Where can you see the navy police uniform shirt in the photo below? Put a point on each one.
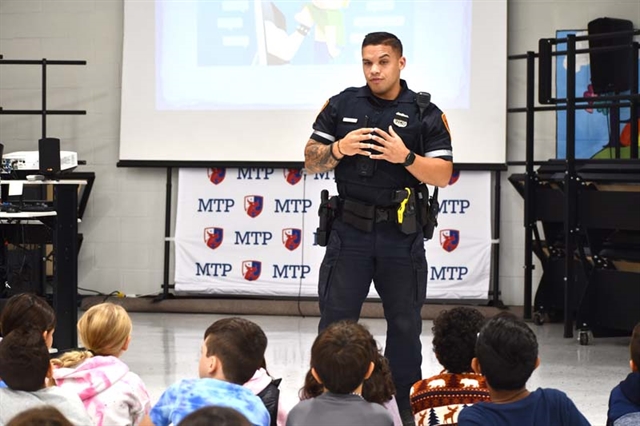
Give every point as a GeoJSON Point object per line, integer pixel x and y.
{"type": "Point", "coordinates": [355, 108]}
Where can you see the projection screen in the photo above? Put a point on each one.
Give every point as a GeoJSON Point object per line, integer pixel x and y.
{"type": "Point", "coordinates": [239, 82]}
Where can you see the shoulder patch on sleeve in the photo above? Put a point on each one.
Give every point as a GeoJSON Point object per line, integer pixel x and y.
{"type": "Point", "coordinates": [323, 107]}
{"type": "Point", "coordinates": [446, 123]}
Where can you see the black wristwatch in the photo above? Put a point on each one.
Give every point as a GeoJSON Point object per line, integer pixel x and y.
{"type": "Point", "coordinates": [411, 157]}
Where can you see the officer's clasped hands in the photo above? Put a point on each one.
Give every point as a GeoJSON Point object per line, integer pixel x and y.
{"type": "Point", "coordinates": [374, 143]}
{"type": "Point", "coordinates": [389, 145]}
{"type": "Point", "coordinates": [356, 142]}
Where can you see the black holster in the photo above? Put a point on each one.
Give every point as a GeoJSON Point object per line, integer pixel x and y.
{"type": "Point", "coordinates": [429, 208]}
{"type": "Point", "coordinates": [327, 213]}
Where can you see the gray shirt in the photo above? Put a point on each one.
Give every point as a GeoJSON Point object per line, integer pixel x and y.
{"type": "Point", "coordinates": [330, 409]}
{"type": "Point", "coordinates": [14, 402]}
{"type": "Point", "coordinates": [631, 419]}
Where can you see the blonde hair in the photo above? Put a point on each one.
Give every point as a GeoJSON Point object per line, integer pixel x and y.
{"type": "Point", "coordinates": [104, 330]}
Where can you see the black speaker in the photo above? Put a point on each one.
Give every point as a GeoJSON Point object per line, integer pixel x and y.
{"type": "Point", "coordinates": [610, 71]}
{"type": "Point", "coordinates": [49, 156]}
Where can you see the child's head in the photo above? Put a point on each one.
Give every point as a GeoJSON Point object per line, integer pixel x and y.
{"type": "Point", "coordinates": [212, 415]}
{"type": "Point", "coordinates": [378, 388]}
{"type": "Point", "coordinates": [454, 338]}
{"type": "Point", "coordinates": [104, 330]}
{"type": "Point", "coordinates": [342, 357]}
{"type": "Point", "coordinates": [233, 349]}
{"type": "Point", "coordinates": [24, 359]}
{"type": "Point", "coordinates": [40, 416]}
{"type": "Point", "coordinates": [634, 348]}
{"type": "Point", "coordinates": [30, 310]}
{"type": "Point", "coordinates": [507, 352]}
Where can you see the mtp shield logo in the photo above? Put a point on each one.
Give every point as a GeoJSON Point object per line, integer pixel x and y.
{"type": "Point", "coordinates": [449, 239]}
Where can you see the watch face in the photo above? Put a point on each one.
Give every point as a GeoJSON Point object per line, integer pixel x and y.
{"type": "Point", "coordinates": [411, 157]}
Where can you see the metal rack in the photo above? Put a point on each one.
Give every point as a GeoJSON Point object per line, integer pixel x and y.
{"type": "Point", "coordinates": [572, 170]}
{"type": "Point", "coordinates": [66, 240]}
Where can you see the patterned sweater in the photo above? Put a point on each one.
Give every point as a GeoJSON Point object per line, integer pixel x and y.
{"type": "Point", "coordinates": [438, 400]}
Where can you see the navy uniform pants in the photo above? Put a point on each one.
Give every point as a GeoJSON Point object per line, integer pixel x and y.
{"type": "Point", "coordinates": [398, 267]}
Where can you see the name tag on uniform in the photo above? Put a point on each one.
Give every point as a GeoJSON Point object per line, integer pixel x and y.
{"type": "Point", "coordinates": [349, 120]}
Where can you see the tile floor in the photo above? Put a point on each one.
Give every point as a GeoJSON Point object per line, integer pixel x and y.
{"type": "Point", "coordinates": [165, 348]}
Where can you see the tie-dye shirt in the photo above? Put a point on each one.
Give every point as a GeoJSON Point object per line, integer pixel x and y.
{"type": "Point", "coordinates": [111, 394]}
{"type": "Point", "coordinates": [186, 396]}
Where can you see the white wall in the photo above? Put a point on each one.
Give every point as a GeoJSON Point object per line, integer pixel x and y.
{"type": "Point", "coordinates": [124, 223]}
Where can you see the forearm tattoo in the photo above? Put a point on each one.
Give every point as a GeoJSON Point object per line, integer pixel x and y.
{"type": "Point", "coordinates": [318, 158]}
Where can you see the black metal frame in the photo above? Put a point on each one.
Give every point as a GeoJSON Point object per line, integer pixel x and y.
{"type": "Point", "coordinates": [65, 237]}
{"type": "Point", "coordinates": [44, 63]}
{"type": "Point", "coordinates": [571, 178]}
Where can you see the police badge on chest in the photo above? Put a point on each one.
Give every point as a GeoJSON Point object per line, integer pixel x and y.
{"type": "Point", "coordinates": [400, 119]}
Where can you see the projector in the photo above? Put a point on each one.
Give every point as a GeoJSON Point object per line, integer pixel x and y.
{"type": "Point", "coordinates": [29, 161]}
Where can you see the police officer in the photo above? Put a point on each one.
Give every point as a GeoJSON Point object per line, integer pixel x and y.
{"type": "Point", "coordinates": [380, 144]}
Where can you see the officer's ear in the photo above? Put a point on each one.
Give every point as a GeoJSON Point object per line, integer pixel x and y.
{"type": "Point", "coordinates": [402, 62]}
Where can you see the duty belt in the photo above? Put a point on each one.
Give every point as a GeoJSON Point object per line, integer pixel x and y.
{"type": "Point", "coordinates": [363, 216]}
{"type": "Point", "coordinates": [403, 212]}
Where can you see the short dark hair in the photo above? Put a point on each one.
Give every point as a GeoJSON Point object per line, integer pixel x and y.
{"type": "Point", "coordinates": [378, 388]}
{"type": "Point", "coordinates": [454, 338]}
{"type": "Point", "coordinates": [381, 37]}
{"type": "Point", "coordinates": [239, 344]}
{"type": "Point", "coordinates": [212, 415]}
{"type": "Point", "coordinates": [27, 309]}
{"type": "Point", "coordinates": [341, 356]}
{"type": "Point", "coordinates": [507, 351]}
{"type": "Point", "coordinates": [24, 359]}
{"type": "Point", "coordinates": [40, 416]}
{"type": "Point", "coordinates": [634, 347]}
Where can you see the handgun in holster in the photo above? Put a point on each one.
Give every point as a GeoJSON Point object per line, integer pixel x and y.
{"type": "Point", "coordinates": [407, 210]}
{"type": "Point", "coordinates": [429, 208]}
{"type": "Point", "coordinates": [327, 213]}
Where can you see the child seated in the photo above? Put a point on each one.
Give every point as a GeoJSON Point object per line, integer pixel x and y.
{"type": "Point", "coordinates": [440, 398]}
{"type": "Point", "coordinates": [111, 394]}
{"type": "Point", "coordinates": [507, 354]}
{"type": "Point", "coordinates": [378, 388]}
{"type": "Point", "coordinates": [24, 366]}
{"type": "Point", "coordinates": [341, 360]}
{"type": "Point", "coordinates": [624, 402]}
{"type": "Point", "coordinates": [27, 309]}
{"type": "Point", "coordinates": [232, 351]}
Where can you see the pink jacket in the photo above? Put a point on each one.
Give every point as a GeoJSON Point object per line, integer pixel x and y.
{"type": "Point", "coordinates": [257, 383]}
{"type": "Point", "coordinates": [112, 395]}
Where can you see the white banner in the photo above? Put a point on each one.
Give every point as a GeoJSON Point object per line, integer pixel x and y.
{"type": "Point", "coordinates": [250, 231]}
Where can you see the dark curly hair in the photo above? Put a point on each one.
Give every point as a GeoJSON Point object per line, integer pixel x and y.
{"type": "Point", "coordinates": [378, 388]}
{"type": "Point", "coordinates": [454, 338]}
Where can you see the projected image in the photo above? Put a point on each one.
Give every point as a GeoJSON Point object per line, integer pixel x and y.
{"type": "Point", "coordinates": [284, 54]}
{"type": "Point", "coordinates": [593, 132]}
{"type": "Point", "coordinates": [274, 33]}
